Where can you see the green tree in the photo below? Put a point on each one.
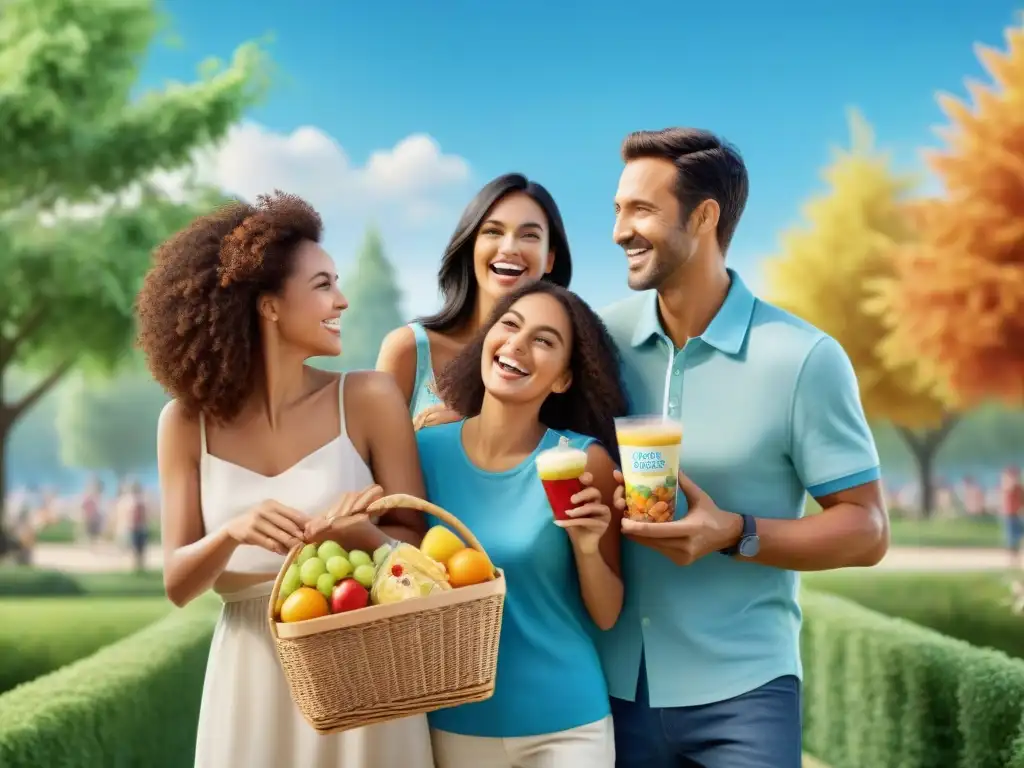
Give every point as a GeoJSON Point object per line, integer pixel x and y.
{"type": "Point", "coordinates": [375, 306]}
{"type": "Point", "coordinates": [109, 424]}
{"type": "Point", "coordinates": [825, 275]}
{"type": "Point", "coordinates": [72, 132]}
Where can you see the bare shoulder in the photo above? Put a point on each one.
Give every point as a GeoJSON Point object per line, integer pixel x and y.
{"type": "Point", "coordinates": [178, 430]}
{"type": "Point", "coordinates": [374, 389]}
{"type": "Point", "coordinates": [399, 343]}
{"type": "Point", "coordinates": [397, 357]}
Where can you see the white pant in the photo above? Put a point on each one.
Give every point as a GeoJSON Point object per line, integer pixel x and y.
{"type": "Point", "coordinates": [587, 746]}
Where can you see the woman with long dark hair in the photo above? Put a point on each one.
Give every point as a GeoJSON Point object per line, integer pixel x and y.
{"type": "Point", "coordinates": [541, 371]}
{"type": "Point", "coordinates": [511, 233]}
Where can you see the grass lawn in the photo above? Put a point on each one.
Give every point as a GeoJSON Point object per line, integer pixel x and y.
{"type": "Point", "coordinates": [972, 606]}
{"type": "Point", "coordinates": [41, 634]}
{"type": "Point", "coordinates": [956, 532]}
{"type": "Point", "coordinates": [66, 532]}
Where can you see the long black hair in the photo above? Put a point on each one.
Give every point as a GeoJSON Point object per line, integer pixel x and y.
{"type": "Point", "coordinates": [456, 278]}
{"type": "Point", "coordinates": [595, 396]}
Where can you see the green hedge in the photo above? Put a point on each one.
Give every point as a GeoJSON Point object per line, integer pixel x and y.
{"type": "Point", "coordinates": [884, 692]}
{"type": "Point", "coordinates": [36, 582]}
{"type": "Point", "coordinates": [38, 636]}
{"type": "Point", "coordinates": [970, 606]}
{"type": "Point", "coordinates": [132, 704]}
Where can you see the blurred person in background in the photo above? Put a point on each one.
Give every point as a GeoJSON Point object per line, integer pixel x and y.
{"type": "Point", "coordinates": [973, 497]}
{"type": "Point", "coordinates": [92, 512]}
{"type": "Point", "coordinates": [510, 234]}
{"type": "Point", "coordinates": [1012, 509]}
{"type": "Point", "coordinates": [132, 515]}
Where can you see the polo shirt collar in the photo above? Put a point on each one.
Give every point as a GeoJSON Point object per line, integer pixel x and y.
{"type": "Point", "coordinates": [725, 332]}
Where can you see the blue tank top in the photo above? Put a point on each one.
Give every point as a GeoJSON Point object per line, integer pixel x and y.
{"type": "Point", "coordinates": [549, 673]}
{"type": "Point", "coordinates": [423, 389]}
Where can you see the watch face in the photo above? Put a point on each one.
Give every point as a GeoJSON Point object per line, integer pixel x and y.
{"type": "Point", "coordinates": [750, 546]}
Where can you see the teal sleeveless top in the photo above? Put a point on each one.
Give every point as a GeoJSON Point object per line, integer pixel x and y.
{"type": "Point", "coordinates": [423, 393]}
{"type": "Point", "coordinates": [549, 672]}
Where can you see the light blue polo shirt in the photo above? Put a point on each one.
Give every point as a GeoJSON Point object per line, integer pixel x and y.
{"type": "Point", "coordinates": [770, 410]}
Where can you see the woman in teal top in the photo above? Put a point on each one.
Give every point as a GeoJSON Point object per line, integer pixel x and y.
{"type": "Point", "coordinates": [511, 233]}
{"type": "Point", "coordinates": [542, 369]}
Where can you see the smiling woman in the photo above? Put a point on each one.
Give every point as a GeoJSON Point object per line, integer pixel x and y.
{"type": "Point", "coordinates": [511, 233]}
{"type": "Point", "coordinates": [255, 449]}
{"type": "Point", "coordinates": [541, 373]}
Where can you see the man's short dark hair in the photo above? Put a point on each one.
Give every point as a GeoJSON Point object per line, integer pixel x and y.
{"type": "Point", "coordinates": [707, 168]}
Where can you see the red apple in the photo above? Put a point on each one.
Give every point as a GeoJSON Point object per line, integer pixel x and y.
{"type": "Point", "coordinates": [348, 595]}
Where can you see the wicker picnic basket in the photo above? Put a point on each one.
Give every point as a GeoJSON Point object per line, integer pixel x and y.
{"type": "Point", "coordinates": [385, 662]}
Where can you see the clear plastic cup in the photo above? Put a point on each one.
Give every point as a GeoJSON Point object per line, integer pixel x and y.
{"type": "Point", "coordinates": [559, 469]}
{"type": "Point", "coordinates": [649, 448]}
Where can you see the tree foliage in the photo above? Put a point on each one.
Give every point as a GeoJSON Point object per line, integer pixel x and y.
{"type": "Point", "coordinates": [109, 424]}
{"type": "Point", "coordinates": [374, 305]}
{"type": "Point", "coordinates": [72, 132]}
{"type": "Point", "coordinates": [827, 265]}
{"type": "Point", "coordinates": [957, 297]}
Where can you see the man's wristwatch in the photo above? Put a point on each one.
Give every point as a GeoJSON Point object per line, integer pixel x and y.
{"type": "Point", "coordinates": [749, 544]}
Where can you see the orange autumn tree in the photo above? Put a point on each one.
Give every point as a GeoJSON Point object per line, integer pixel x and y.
{"type": "Point", "coordinates": [957, 297]}
{"type": "Point", "coordinates": [824, 271]}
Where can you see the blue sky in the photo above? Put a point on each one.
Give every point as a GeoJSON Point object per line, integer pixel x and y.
{"type": "Point", "coordinates": [550, 90]}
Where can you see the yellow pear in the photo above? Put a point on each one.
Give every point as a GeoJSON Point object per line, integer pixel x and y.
{"type": "Point", "coordinates": [439, 544]}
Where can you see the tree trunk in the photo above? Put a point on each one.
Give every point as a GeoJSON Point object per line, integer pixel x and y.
{"type": "Point", "coordinates": [924, 447]}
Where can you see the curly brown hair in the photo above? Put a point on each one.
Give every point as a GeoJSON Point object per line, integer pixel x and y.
{"type": "Point", "coordinates": [197, 314]}
{"type": "Point", "coordinates": [595, 396]}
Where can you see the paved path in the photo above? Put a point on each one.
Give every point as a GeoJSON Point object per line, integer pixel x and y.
{"type": "Point", "coordinates": [107, 557]}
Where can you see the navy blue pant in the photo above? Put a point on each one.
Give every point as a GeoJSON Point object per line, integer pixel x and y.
{"type": "Point", "coordinates": [759, 729]}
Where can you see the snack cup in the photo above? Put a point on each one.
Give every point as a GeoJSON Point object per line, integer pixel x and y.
{"type": "Point", "coordinates": [649, 452]}
{"type": "Point", "coordinates": [559, 469]}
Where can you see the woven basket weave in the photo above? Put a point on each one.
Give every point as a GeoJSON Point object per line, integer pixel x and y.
{"type": "Point", "coordinates": [384, 662]}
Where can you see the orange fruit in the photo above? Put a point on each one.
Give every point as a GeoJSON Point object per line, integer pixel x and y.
{"type": "Point", "coordinates": [303, 604]}
{"type": "Point", "coordinates": [469, 566]}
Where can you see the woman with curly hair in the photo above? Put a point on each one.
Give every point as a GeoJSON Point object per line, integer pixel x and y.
{"type": "Point", "coordinates": [258, 452]}
{"type": "Point", "coordinates": [542, 370]}
{"type": "Point", "coordinates": [509, 234]}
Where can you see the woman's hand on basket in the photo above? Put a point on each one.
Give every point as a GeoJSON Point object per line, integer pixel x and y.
{"type": "Point", "coordinates": [589, 520]}
{"type": "Point", "coordinates": [349, 510]}
{"type": "Point", "coordinates": [270, 525]}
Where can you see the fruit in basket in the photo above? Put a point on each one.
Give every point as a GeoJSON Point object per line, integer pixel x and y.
{"type": "Point", "coordinates": [303, 604]}
{"type": "Point", "coordinates": [364, 574]}
{"type": "Point", "coordinates": [339, 567]}
{"type": "Point", "coordinates": [291, 580]}
{"type": "Point", "coordinates": [348, 595]}
{"type": "Point", "coordinates": [357, 557]}
{"type": "Point", "coordinates": [307, 552]}
{"type": "Point", "coordinates": [406, 573]}
{"type": "Point", "coordinates": [325, 584]}
{"type": "Point", "coordinates": [380, 553]}
{"type": "Point", "coordinates": [469, 566]}
{"type": "Point", "coordinates": [330, 549]}
{"type": "Point", "coordinates": [311, 570]}
{"type": "Point", "coordinates": [440, 544]}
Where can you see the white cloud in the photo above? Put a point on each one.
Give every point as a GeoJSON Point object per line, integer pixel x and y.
{"type": "Point", "coordinates": [410, 179]}
{"type": "Point", "coordinates": [412, 192]}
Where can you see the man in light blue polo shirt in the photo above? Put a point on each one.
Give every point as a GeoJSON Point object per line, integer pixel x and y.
{"type": "Point", "coordinates": [704, 662]}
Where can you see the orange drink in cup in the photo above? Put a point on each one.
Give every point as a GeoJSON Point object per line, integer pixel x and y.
{"type": "Point", "coordinates": [559, 469]}
{"type": "Point", "coordinates": [649, 449]}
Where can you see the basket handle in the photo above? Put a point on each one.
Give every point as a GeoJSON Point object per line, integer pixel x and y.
{"type": "Point", "coordinates": [405, 501]}
{"type": "Point", "coordinates": [394, 501]}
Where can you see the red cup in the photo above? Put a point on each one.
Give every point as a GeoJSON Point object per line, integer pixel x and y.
{"type": "Point", "coordinates": [559, 470]}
